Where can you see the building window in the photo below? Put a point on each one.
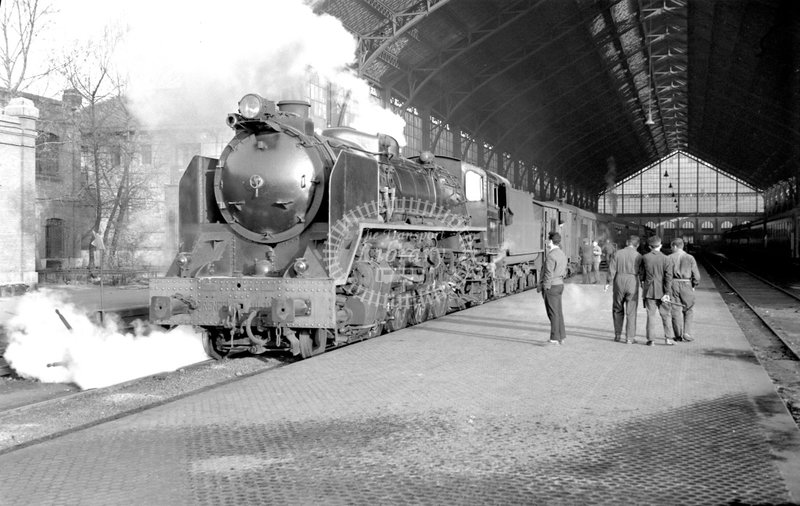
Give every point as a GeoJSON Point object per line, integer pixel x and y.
{"type": "Point", "coordinates": [707, 225]}
{"type": "Point", "coordinates": [146, 152]}
{"type": "Point", "coordinates": [683, 183]}
{"type": "Point", "coordinates": [726, 225]}
{"type": "Point", "coordinates": [669, 224]}
{"type": "Point", "coordinates": [54, 238]}
{"type": "Point", "coordinates": [687, 224]}
{"type": "Point", "coordinates": [48, 146]}
{"type": "Point", "coordinates": [651, 224]}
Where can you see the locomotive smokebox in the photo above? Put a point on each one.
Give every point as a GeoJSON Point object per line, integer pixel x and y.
{"type": "Point", "coordinates": [298, 107]}
{"type": "Point", "coordinates": [270, 179]}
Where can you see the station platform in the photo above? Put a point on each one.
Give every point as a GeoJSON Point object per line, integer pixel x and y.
{"type": "Point", "coordinates": [474, 408]}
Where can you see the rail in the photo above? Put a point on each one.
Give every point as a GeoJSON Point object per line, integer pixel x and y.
{"type": "Point", "coordinates": [747, 294]}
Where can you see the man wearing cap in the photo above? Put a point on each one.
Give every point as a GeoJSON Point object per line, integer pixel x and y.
{"type": "Point", "coordinates": [555, 268]}
{"type": "Point", "coordinates": [685, 277]}
{"type": "Point", "coordinates": [656, 286]}
{"type": "Point", "coordinates": [623, 271]}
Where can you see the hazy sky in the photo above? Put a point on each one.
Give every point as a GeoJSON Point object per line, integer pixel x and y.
{"type": "Point", "coordinates": [214, 52]}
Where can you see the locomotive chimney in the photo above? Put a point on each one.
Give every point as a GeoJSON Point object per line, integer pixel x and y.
{"type": "Point", "coordinates": [298, 107]}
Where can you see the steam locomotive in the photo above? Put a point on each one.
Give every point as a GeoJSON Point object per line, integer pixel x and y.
{"type": "Point", "coordinates": [299, 241]}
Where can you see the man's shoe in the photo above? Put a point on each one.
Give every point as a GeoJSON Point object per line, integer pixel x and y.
{"type": "Point", "coordinates": [649, 343]}
{"type": "Point", "coordinates": [553, 341]}
{"type": "Point", "coordinates": [669, 342]}
{"type": "Point", "coordinates": [630, 341]}
{"type": "Point", "coordinates": [687, 339]}
{"type": "Point", "coordinates": [617, 339]}
{"type": "Point", "coordinates": [678, 339]}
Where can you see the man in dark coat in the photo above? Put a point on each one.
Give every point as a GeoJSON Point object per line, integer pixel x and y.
{"type": "Point", "coordinates": [623, 271]}
{"type": "Point", "coordinates": [656, 286]}
{"type": "Point", "coordinates": [587, 259]}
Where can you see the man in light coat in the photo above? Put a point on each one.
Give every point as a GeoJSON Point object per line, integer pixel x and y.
{"type": "Point", "coordinates": [685, 277]}
{"type": "Point", "coordinates": [553, 273]}
{"type": "Point", "coordinates": [623, 271]}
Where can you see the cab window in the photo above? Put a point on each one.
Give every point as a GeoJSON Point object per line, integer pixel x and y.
{"type": "Point", "coordinates": [473, 186]}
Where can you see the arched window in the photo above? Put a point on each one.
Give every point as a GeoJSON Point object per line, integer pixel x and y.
{"type": "Point", "coordinates": [669, 224]}
{"type": "Point", "coordinates": [726, 225]}
{"type": "Point", "coordinates": [651, 224]}
{"type": "Point", "coordinates": [707, 225]}
{"type": "Point", "coordinates": [47, 151]}
{"type": "Point", "coordinates": [54, 238]}
{"type": "Point", "coordinates": [687, 224]}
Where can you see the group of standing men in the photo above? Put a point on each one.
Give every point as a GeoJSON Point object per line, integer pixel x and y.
{"type": "Point", "coordinates": [667, 284]}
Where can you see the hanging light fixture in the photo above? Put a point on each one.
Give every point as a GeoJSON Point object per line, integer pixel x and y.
{"type": "Point", "coordinates": [666, 174]}
{"type": "Point", "coordinates": [670, 185]}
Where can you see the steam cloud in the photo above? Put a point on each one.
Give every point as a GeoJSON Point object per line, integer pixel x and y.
{"type": "Point", "coordinates": [578, 299]}
{"type": "Point", "coordinates": [89, 355]}
{"type": "Point", "coordinates": [192, 62]}
{"type": "Point", "coordinates": [611, 183]}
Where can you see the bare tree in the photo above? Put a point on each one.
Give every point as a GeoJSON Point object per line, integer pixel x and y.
{"type": "Point", "coordinates": [20, 23]}
{"type": "Point", "coordinates": [114, 182]}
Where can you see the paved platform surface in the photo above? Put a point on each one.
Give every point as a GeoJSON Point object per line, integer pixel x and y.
{"type": "Point", "coordinates": [474, 408]}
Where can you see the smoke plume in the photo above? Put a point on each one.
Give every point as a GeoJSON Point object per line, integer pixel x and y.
{"type": "Point", "coordinates": [41, 346]}
{"type": "Point", "coordinates": [611, 183]}
{"type": "Point", "coordinates": [191, 63]}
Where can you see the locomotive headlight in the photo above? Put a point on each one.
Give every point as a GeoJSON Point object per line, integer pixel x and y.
{"type": "Point", "coordinates": [426, 157]}
{"type": "Point", "coordinates": [300, 266]}
{"type": "Point", "coordinates": [183, 260]}
{"type": "Point", "coordinates": [250, 106]}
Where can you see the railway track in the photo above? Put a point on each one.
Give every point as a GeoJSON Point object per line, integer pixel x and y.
{"type": "Point", "coordinates": [777, 307]}
{"type": "Point", "coordinates": [46, 399]}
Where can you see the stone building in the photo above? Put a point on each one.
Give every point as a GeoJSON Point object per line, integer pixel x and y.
{"type": "Point", "coordinates": [17, 194]}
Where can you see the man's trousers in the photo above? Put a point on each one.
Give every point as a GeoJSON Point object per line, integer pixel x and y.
{"type": "Point", "coordinates": [552, 304]}
{"type": "Point", "coordinates": [626, 298]}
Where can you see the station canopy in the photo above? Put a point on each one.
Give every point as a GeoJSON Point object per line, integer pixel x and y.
{"type": "Point", "coordinates": [587, 89]}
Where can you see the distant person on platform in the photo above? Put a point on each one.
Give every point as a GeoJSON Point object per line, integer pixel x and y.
{"type": "Point", "coordinates": [685, 277]}
{"type": "Point", "coordinates": [555, 268]}
{"type": "Point", "coordinates": [656, 287]}
{"type": "Point", "coordinates": [609, 249]}
{"type": "Point", "coordinates": [624, 269]}
{"type": "Point", "coordinates": [587, 258]}
{"type": "Point", "coordinates": [597, 255]}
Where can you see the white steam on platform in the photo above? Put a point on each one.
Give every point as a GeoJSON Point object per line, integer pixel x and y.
{"type": "Point", "coordinates": [41, 346]}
